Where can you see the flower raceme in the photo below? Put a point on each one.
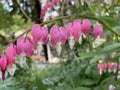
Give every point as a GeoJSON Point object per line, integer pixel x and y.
{"type": "Point", "coordinates": [72, 32]}
{"type": "Point", "coordinates": [109, 66]}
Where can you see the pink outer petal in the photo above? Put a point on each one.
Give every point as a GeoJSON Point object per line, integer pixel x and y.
{"type": "Point", "coordinates": [36, 32]}
{"type": "Point", "coordinates": [11, 53]}
{"type": "Point", "coordinates": [54, 34]}
{"type": "Point", "coordinates": [3, 63]}
{"type": "Point", "coordinates": [62, 36]}
{"type": "Point", "coordinates": [44, 37]}
{"type": "Point", "coordinates": [86, 26]}
{"type": "Point", "coordinates": [25, 45]}
{"type": "Point", "coordinates": [109, 64]}
{"type": "Point", "coordinates": [97, 30]}
{"type": "Point", "coordinates": [76, 31]}
{"type": "Point", "coordinates": [115, 65]}
{"type": "Point", "coordinates": [56, 1]}
{"type": "Point", "coordinates": [68, 29]}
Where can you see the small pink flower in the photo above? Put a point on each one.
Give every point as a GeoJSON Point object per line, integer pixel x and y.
{"type": "Point", "coordinates": [105, 67]}
{"type": "Point", "coordinates": [39, 34]}
{"type": "Point", "coordinates": [115, 66]}
{"type": "Point", "coordinates": [97, 30]}
{"type": "Point", "coordinates": [55, 1]}
{"type": "Point", "coordinates": [58, 37]}
{"type": "Point", "coordinates": [49, 4]}
{"type": "Point", "coordinates": [11, 53]}
{"type": "Point", "coordinates": [86, 26]}
{"type": "Point", "coordinates": [73, 31]}
{"type": "Point", "coordinates": [3, 66]}
{"type": "Point", "coordinates": [100, 68]}
{"type": "Point", "coordinates": [111, 87]}
{"type": "Point", "coordinates": [110, 66]}
{"type": "Point", "coordinates": [25, 47]}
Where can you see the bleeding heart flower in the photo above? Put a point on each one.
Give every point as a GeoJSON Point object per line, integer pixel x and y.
{"type": "Point", "coordinates": [115, 66]}
{"type": "Point", "coordinates": [25, 47]}
{"type": "Point", "coordinates": [11, 53]}
{"type": "Point", "coordinates": [58, 37]}
{"type": "Point", "coordinates": [73, 31]}
{"type": "Point", "coordinates": [102, 67]}
{"type": "Point", "coordinates": [3, 66]}
{"type": "Point", "coordinates": [86, 26]}
{"type": "Point", "coordinates": [77, 27]}
{"type": "Point", "coordinates": [40, 36]}
{"type": "Point", "coordinates": [97, 33]}
{"type": "Point", "coordinates": [111, 87]}
{"type": "Point", "coordinates": [55, 1]}
{"type": "Point", "coordinates": [110, 66]}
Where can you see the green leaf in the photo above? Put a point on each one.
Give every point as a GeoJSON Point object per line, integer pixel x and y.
{"type": "Point", "coordinates": [87, 82]}
{"type": "Point", "coordinates": [81, 88]}
{"type": "Point", "coordinates": [113, 46]}
{"type": "Point", "coordinates": [39, 84]}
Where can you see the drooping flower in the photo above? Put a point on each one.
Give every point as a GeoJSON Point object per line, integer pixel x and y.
{"type": "Point", "coordinates": [25, 47]}
{"type": "Point", "coordinates": [110, 66]}
{"type": "Point", "coordinates": [77, 27]}
{"type": "Point", "coordinates": [40, 36]}
{"type": "Point", "coordinates": [97, 30]}
{"type": "Point", "coordinates": [111, 87]}
{"type": "Point", "coordinates": [11, 53]}
{"type": "Point", "coordinates": [101, 68]}
{"type": "Point", "coordinates": [115, 67]}
{"type": "Point", "coordinates": [97, 33]}
{"type": "Point", "coordinates": [58, 37]}
{"type": "Point", "coordinates": [73, 31]}
{"type": "Point", "coordinates": [86, 26]}
{"type": "Point", "coordinates": [55, 1]}
{"type": "Point", "coordinates": [3, 66]}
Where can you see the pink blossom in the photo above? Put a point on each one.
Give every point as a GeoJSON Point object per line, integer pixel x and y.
{"type": "Point", "coordinates": [109, 64]}
{"type": "Point", "coordinates": [25, 46]}
{"type": "Point", "coordinates": [97, 30]}
{"type": "Point", "coordinates": [100, 68]}
{"type": "Point", "coordinates": [55, 1]}
{"type": "Point", "coordinates": [111, 87]}
{"type": "Point", "coordinates": [11, 53]}
{"type": "Point", "coordinates": [57, 35]}
{"type": "Point", "coordinates": [86, 26]}
{"type": "Point", "coordinates": [3, 65]}
{"type": "Point", "coordinates": [115, 66]}
{"type": "Point", "coordinates": [39, 34]}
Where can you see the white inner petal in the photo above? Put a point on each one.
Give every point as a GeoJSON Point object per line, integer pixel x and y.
{"type": "Point", "coordinates": [22, 60]}
{"type": "Point", "coordinates": [71, 42]}
{"type": "Point", "coordinates": [11, 69]}
{"type": "Point", "coordinates": [39, 48]}
{"type": "Point", "coordinates": [97, 41]}
{"type": "Point", "coordinates": [59, 48]}
{"type": "Point", "coordinates": [1, 75]}
{"type": "Point", "coordinates": [80, 39]}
